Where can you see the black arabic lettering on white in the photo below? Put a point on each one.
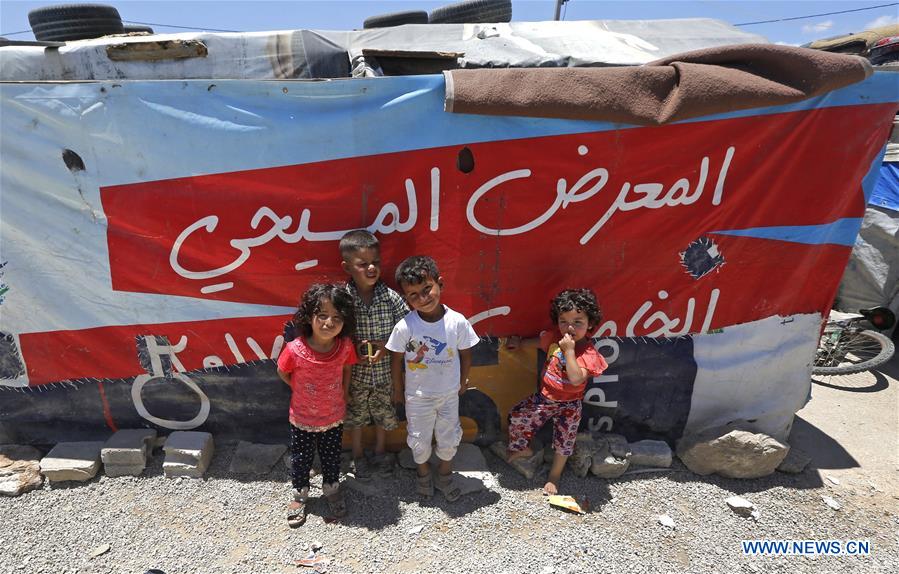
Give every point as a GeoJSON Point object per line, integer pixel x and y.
{"type": "Point", "coordinates": [387, 221]}
{"type": "Point", "coordinates": [653, 198]}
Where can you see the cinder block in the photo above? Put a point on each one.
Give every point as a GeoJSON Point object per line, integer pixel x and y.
{"type": "Point", "coordinates": [187, 453]}
{"type": "Point", "coordinates": [115, 470]}
{"type": "Point", "coordinates": [190, 443]}
{"type": "Point", "coordinates": [72, 461]}
{"type": "Point", "coordinates": [128, 447]}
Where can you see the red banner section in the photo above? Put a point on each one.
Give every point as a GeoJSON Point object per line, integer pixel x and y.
{"type": "Point", "coordinates": [631, 213]}
{"type": "Point", "coordinates": [120, 352]}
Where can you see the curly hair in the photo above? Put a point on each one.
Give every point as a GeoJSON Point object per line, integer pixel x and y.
{"type": "Point", "coordinates": [417, 269]}
{"type": "Point", "coordinates": [583, 300]}
{"type": "Point", "coordinates": [311, 304]}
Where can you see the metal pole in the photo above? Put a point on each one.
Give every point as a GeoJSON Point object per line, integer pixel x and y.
{"type": "Point", "coordinates": [558, 8]}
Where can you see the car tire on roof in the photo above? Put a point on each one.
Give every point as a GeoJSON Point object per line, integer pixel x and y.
{"type": "Point", "coordinates": [74, 22]}
{"type": "Point", "coordinates": [473, 12]}
{"type": "Point", "coordinates": [396, 19]}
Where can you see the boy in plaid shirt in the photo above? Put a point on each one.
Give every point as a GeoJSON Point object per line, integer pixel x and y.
{"type": "Point", "coordinates": [378, 308]}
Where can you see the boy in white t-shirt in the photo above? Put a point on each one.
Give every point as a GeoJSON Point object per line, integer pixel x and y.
{"type": "Point", "coordinates": [430, 358]}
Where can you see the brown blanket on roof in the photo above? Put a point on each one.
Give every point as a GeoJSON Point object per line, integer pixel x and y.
{"type": "Point", "coordinates": [688, 85]}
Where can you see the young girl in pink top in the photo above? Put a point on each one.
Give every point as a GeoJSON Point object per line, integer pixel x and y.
{"type": "Point", "coordinates": [317, 368]}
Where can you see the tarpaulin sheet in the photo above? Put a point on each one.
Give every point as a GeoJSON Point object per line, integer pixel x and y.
{"type": "Point", "coordinates": [155, 235]}
{"type": "Point", "coordinates": [314, 53]}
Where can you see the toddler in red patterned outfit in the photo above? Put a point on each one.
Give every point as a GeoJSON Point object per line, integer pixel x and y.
{"type": "Point", "coordinates": [571, 360]}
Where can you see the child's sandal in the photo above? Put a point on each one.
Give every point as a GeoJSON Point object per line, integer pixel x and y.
{"type": "Point", "coordinates": [296, 514]}
{"type": "Point", "coordinates": [449, 488]}
{"type": "Point", "coordinates": [424, 486]}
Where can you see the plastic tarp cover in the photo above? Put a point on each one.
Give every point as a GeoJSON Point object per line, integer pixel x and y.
{"type": "Point", "coordinates": [320, 53]}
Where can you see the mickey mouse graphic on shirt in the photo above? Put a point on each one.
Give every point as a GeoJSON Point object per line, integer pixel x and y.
{"type": "Point", "coordinates": [421, 348]}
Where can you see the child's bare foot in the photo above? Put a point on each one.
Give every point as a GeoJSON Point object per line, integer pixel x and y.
{"type": "Point", "coordinates": [550, 488]}
{"type": "Point", "coordinates": [515, 455]}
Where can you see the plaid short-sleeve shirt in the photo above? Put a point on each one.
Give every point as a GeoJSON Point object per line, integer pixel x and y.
{"type": "Point", "coordinates": [374, 323]}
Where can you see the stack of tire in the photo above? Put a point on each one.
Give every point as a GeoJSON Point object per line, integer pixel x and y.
{"type": "Point", "coordinates": [469, 12]}
{"type": "Point", "coordinates": [74, 22]}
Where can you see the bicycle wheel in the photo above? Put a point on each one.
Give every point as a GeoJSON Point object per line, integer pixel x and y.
{"type": "Point", "coordinates": [855, 351]}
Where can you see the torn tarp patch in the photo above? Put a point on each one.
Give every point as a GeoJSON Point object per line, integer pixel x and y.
{"type": "Point", "coordinates": [701, 257]}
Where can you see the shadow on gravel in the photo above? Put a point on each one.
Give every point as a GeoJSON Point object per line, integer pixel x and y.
{"type": "Point", "coordinates": [596, 490]}
{"type": "Point", "coordinates": [826, 453]}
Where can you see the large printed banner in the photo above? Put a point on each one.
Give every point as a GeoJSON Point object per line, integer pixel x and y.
{"type": "Point", "coordinates": [153, 230]}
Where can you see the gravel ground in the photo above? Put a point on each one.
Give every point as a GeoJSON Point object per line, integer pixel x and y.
{"type": "Point", "coordinates": [227, 524]}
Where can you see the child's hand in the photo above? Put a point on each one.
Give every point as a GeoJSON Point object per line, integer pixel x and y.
{"type": "Point", "coordinates": [566, 343]}
{"type": "Point", "coordinates": [377, 351]}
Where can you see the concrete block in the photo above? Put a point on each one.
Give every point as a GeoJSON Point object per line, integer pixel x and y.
{"type": "Point", "coordinates": [72, 461]}
{"type": "Point", "coordinates": [190, 470]}
{"type": "Point", "coordinates": [187, 453]}
{"type": "Point", "coordinates": [115, 470]}
{"type": "Point", "coordinates": [128, 447]}
{"type": "Point", "coordinates": [190, 443]}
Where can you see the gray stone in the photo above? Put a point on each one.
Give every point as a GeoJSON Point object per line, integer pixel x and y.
{"type": "Point", "coordinates": [188, 454]}
{"type": "Point", "coordinates": [611, 455]}
{"type": "Point", "coordinates": [128, 447]}
{"type": "Point", "coordinates": [609, 466]}
{"type": "Point", "coordinates": [20, 469]}
{"type": "Point", "coordinates": [666, 521]}
{"type": "Point", "coordinates": [529, 467]}
{"type": "Point", "coordinates": [469, 466]}
{"type": "Point", "coordinates": [72, 461]}
{"type": "Point", "coordinates": [654, 453]}
{"type": "Point", "coordinates": [470, 482]}
{"type": "Point", "coordinates": [251, 458]}
{"type": "Point", "coordinates": [613, 444]}
{"type": "Point", "coordinates": [732, 453]}
{"type": "Point", "coordinates": [740, 506]}
{"type": "Point", "coordinates": [795, 461]}
{"type": "Point", "coordinates": [117, 470]}
{"type": "Point", "coordinates": [580, 460]}
{"type": "Point", "coordinates": [831, 502]}
{"type": "Point", "coordinates": [469, 458]}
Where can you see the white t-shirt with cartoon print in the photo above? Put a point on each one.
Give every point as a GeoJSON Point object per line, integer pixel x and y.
{"type": "Point", "coordinates": [432, 351]}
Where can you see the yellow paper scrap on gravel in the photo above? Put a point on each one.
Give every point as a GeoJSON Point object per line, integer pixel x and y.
{"type": "Point", "coordinates": [566, 502]}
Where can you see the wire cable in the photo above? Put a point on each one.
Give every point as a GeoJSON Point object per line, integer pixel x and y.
{"type": "Point", "coordinates": [818, 15]}
{"type": "Point", "coordinates": [181, 27]}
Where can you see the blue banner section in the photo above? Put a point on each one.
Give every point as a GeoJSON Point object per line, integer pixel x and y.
{"type": "Point", "coordinates": [840, 232]}
{"type": "Point", "coordinates": [886, 191]}
{"type": "Point", "coordinates": [387, 117]}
